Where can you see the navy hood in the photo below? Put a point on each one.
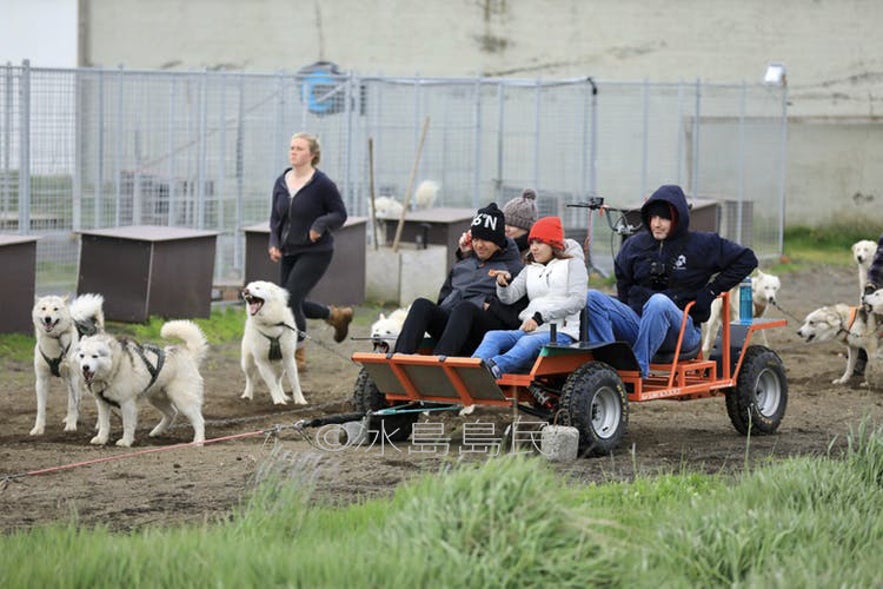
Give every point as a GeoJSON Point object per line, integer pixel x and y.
{"type": "Point", "coordinates": [677, 202]}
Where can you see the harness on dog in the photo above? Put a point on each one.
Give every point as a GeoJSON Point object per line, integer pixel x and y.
{"type": "Point", "coordinates": [275, 353]}
{"type": "Point", "coordinates": [853, 313]}
{"type": "Point", "coordinates": [153, 369]}
{"type": "Point", "coordinates": [55, 363]}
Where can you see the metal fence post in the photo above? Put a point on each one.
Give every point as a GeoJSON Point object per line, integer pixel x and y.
{"type": "Point", "coordinates": [783, 166]}
{"type": "Point", "coordinates": [24, 168]}
{"type": "Point", "coordinates": [118, 168]}
{"type": "Point", "coordinates": [696, 128]}
{"type": "Point", "coordinates": [201, 150]}
{"type": "Point", "coordinates": [536, 133]}
{"type": "Point", "coordinates": [740, 184]}
{"type": "Point", "coordinates": [476, 186]}
{"type": "Point", "coordinates": [501, 145]}
{"type": "Point", "coordinates": [6, 185]}
{"type": "Point", "coordinates": [645, 135]}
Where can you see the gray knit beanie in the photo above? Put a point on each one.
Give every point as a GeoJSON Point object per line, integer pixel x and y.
{"type": "Point", "coordinates": [521, 211]}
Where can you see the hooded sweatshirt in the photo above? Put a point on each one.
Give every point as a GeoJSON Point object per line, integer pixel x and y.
{"type": "Point", "coordinates": [681, 265]}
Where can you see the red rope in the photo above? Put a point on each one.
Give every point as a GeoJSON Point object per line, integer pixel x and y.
{"type": "Point", "coordinates": [133, 454]}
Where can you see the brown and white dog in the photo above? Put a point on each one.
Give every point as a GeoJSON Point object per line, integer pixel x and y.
{"type": "Point", "coordinates": [854, 326]}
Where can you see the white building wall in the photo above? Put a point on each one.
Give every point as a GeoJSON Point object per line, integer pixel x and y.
{"type": "Point", "coordinates": [832, 48]}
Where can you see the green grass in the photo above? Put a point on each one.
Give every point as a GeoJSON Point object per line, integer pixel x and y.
{"type": "Point", "coordinates": [508, 522]}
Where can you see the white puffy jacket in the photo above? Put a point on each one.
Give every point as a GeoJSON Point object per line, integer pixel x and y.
{"type": "Point", "coordinates": [556, 290]}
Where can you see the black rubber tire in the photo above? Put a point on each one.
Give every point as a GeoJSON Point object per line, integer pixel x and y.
{"type": "Point", "coordinates": [594, 401]}
{"type": "Point", "coordinates": [366, 397]}
{"type": "Point", "coordinates": [758, 401]}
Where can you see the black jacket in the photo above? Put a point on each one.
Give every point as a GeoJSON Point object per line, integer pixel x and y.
{"type": "Point", "coordinates": [681, 266]}
{"type": "Point", "coordinates": [317, 205]}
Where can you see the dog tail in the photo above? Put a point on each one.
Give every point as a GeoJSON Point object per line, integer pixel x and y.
{"type": "Point", "coordinates": [87, 311]}
{"type": "Point", "coordinates": [192, 336]}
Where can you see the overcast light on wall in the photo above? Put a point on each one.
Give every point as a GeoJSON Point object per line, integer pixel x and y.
{"type": "Point", "coordinates": [42, 31]}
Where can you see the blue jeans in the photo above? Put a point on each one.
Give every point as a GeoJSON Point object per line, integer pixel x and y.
{"type": "Point", "coordinates": [514, 350]}
{"type": "Point", "coordinates": [655, 330]}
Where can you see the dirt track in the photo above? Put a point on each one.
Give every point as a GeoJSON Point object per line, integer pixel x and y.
{"type": "Point", "coordinates": [171, 485]}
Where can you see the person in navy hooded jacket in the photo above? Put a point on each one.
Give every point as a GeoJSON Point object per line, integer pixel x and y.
{"type": "Point", "coordinates": [658, 271]}
{"type": "Point", "coordinates": [306, 209]}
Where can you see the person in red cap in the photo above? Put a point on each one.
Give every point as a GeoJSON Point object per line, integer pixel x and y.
{"type": "Point", "coordinates": [555, 282]}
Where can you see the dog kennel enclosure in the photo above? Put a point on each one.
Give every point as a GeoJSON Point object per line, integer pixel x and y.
{"type": "Point", "coordinates": [91, 149]}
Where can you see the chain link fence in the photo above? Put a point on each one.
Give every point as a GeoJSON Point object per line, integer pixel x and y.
{"type": "Point", "coordinates": [84, 149]}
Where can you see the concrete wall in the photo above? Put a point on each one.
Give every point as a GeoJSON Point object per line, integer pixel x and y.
{"type": "Point", "coordinates": [832, 48]}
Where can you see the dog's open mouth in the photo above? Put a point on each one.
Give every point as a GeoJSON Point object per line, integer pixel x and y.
{"type": "Point", "coordinates": [49, 324]}
{"type": "Point", "coordinates": [254, 303]}
{"type": "Point", "coordinates": [88, 374]}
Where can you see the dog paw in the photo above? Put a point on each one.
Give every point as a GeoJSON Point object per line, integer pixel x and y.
{"type": "Point", "coordinates": [300, 401]}
{"type": "Point", "coordinates": [281, 401]}
{"type": "Point", "coordinates": [98, 441]}
{"type": "Point", "coordinates": [70, 426]}
{"type": "Point", "coordinates": [123, 442]}
{"type": "Point", "coordinates": [839, 380]}
{"type": "Point", "coordinates": [37, 431]}
{"type": "Point", "coordinates": [246, 395]}
{"type": "Point", "coordinates": [467, 410]}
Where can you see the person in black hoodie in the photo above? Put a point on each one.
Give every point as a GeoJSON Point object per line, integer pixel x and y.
{"type": "Point", "coordinates": [458, 319]}
{"type": "Point", "coordinates": [658, 271]}
{"type": "Point", "coordinates": [306, 209]}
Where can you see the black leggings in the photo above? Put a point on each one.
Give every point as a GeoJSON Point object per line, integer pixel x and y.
{"type": "Point", "coordinates": [299, 273]}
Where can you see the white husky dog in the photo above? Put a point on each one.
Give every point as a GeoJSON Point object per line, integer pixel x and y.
{"type": "Point", "coordinates": [390, 326]}
{"type": "Point", "coordinates": [764, 288]}
{"type": "Point", "coordinates": [863, 254]}
{"type": "Point", "coordinates": [269, 342]}
{"type": "Point", "coordinates": [58, 325]}
{"type": "Point", "coordinates": [121, 372]}
{"type": "Point", "coordinates": [389, 207]}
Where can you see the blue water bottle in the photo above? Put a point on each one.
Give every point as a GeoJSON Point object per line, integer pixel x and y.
{"type": "Point", "coordinates": [746, 305]}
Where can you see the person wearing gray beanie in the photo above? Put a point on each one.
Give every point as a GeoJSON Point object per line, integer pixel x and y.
{"type": "Point", "coordinates": [521, 211]}
{"type": "Point", "coordinates": [520, 214]}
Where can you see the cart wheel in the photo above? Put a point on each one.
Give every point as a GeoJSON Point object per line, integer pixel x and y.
{"type": "Point", "coordinates": [366, 397]}
{"type": "Point", "coordinates": [757, 402]}
{"type": "Point", "coordinates": [594, 401]}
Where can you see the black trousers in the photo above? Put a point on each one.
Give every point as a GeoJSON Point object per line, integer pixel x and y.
{"type": "Point", "coordinates": [299, 274]}
{"type": "Point", "coordinates": [457, 333]}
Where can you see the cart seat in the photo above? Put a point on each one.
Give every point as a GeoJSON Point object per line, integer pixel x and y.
{"type": "Point", "coordinates": [669, 357]}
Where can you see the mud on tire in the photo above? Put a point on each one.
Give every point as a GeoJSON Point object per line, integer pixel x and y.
{"type": "Point", "coordinates": [594, 401]}
{"type": "Point", "coordinates": [366, 397]}
{"type": "Point", "coordinates": [757, 402]}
